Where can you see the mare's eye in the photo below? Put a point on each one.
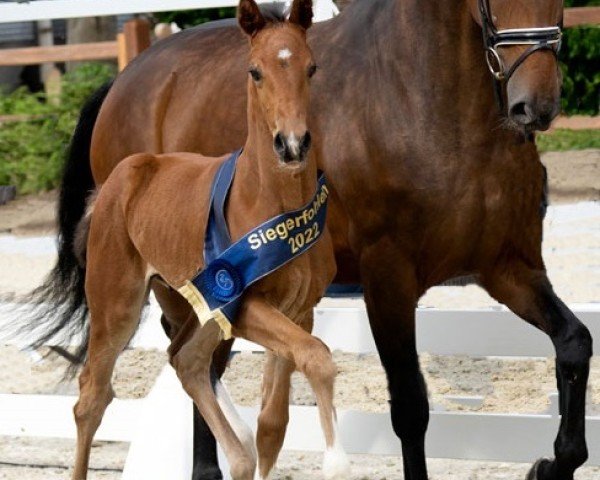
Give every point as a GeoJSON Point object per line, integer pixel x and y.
{"type": "Point", "coordinates": [312, 70]}
{"type": "Point", "coordinates": [256, 74]}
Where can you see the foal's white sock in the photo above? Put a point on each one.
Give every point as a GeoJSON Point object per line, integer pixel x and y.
{"type": "Point", "coordinates": [243, 431]}
{"type": "Point", "coordinates": [336, 465]}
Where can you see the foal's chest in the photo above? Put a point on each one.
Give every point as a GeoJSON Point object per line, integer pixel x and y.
{"type": "Point", "coordinates": [277, 257]}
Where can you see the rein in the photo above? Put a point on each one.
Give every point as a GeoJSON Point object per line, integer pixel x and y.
{"type": "Point", "coordinates": [231, 268]}
{"type": "Point", "coordinates": [537, 38]}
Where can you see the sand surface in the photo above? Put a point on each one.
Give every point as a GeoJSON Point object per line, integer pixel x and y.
{"type": "Point", "coordinates": [502, 383]}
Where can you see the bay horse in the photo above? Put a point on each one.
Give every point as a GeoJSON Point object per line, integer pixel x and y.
{"type": "Point", "coordinates": [153, 201]}
{"type": "Point", "coordinates": [433, 167]}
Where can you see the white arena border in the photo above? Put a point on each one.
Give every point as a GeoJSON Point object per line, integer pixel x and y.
{"type": "Point", "coordinates": [159, 428]}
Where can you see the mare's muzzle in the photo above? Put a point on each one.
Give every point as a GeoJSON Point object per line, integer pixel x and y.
{"type": "Point", "coordinates": [524, 111]}
{"type": "Point", "coordinates": [291, 148]}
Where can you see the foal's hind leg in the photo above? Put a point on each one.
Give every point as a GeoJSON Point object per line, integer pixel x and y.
{"type": "Point", "coordinates": [529, 294]}
{"type": "Point", "coordinates": [274, 414]}
{"type": "Point", "coordinates": [261, 323]}
{"type": "Point", "coordinates": [176, 312]}
{"type": "Point", "coordinates": [116, 299]}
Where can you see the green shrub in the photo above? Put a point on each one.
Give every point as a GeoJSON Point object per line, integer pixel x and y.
{"type": "Point", "coordinates": [580, 57]}
{"type": "Point", "coordinates": [32, 149]}
{"type": "Point", "coordinates": [189, 18]}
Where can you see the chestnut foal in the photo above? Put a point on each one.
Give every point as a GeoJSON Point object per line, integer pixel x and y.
{"type": "Point", "coordinates": [148, 222]}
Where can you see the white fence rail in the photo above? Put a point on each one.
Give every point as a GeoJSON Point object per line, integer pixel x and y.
{"type": "Point", "coordinates": [55, 9]}
{"type": "Point", "coordinates": [479, 333]}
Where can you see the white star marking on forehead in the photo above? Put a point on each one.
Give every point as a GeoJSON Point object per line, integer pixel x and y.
{"type": "Point", "coordinates": [284, 54]}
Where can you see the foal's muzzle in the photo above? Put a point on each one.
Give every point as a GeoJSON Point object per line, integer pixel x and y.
{"type": "Point", "coordinates": [291, 148]}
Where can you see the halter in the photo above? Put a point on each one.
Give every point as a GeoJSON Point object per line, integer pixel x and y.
{"type": "Point", "coordinates": [538, 38]}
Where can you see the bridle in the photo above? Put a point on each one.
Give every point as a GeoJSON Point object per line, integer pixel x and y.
{"type": "Point", "coordinates": [537, 38]}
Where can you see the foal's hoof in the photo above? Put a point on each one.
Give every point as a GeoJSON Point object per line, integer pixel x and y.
{"type": "Point", "coordinates": [537, 468]}
{"type": "Point", "coordinates": [336, 465]}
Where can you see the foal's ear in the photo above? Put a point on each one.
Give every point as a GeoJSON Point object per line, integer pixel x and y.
{"type": "Point", "coordinates": [302, 13]}
{"type": "Point", "coordinates": [249, 17]}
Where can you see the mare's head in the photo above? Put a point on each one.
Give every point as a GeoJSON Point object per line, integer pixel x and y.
{"type": "Point", "coordinates": [280, 67]}
{"type": "Point", "coordinates": [522, 38]}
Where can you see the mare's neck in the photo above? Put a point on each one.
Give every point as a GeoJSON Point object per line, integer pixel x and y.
{"type": "Point", "coordinates": [263, 182]}
{"type": "Point", "coordinates": [425, 60]}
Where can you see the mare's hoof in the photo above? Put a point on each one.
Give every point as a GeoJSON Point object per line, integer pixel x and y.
{"type": "Point", "coordinates": [533, 473]}
{"type": "Point", "coordinates": [208, 473]}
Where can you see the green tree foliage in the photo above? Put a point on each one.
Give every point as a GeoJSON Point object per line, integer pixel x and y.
{"type": "Point", "coordinates": [35, 131]}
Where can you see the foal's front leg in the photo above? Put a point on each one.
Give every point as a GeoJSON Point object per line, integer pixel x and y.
{"type": "Point", "coordinates": [274, 414]}
{"type": "Point", "coordinates": [261, 323]}
{"type": "Point", "coordinates": [192, 362]}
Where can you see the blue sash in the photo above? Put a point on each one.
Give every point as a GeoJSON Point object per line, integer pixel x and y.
{"type": "Point", "coordinates": [215, 293]}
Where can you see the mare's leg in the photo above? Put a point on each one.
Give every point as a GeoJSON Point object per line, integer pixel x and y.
{"type": "Point", "coordinates": [192, 362]}
{"type": "Point", "coordinates": [261, 323]}
{"type": "Point", "coordinates": [274, 414]}
{"type": "Point", "coordinates": [391, 297]}
{"type": "Point", "coordinates": [176, 310]}
{"type": "Point", "coordinates": [115, 298]}
{"type": "Point", "coordinates": [529, 294]}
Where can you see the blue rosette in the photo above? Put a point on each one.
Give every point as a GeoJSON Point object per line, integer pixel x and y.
{"type": "Point", "coordinates": [222, 280]}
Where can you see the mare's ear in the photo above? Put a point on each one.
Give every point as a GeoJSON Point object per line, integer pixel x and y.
{"type": "Point", "coordinates": [249, 17]}
{"type": "Point", "coordinates": [302, 13]}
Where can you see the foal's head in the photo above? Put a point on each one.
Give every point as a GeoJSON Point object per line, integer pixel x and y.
{"type": "Point", "coordinates": [280, 67]}
{"type": "Point", "coordinates": [526, 58]}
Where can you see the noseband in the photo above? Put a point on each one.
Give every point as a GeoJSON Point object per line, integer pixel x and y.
{"type": "Point", "coordinates": [537, 38]}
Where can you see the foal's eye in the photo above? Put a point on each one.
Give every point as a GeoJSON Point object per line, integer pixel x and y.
{"type": "Point", "coordinates": [312, 70]}
{"type": "Point", "coordinates": [256, 74]}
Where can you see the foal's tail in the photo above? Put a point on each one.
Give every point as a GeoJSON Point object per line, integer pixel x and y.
{"type": "Point", "coordinates": [59, 305]}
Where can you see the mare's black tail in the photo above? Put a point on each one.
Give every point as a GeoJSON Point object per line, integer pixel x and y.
{"type": "Point", "coordinates": [59, 305]}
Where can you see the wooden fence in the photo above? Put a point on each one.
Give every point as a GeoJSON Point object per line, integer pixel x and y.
{"type": "Point", "coordinates": [134, 39]}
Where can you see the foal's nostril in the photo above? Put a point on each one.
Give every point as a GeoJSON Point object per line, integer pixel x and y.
{"type": "Point", "coordinates": [305, 144]}
{"type": "Point", "coordinates": [279, 144]}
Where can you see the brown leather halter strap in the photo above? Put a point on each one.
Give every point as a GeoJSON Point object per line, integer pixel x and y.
{"type": "Point", "coordinates": [538, 38]}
